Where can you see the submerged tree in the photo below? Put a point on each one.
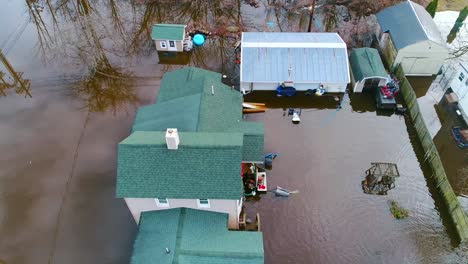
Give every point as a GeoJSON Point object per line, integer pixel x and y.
{"type": "Point", "coordinates": [432, 7]}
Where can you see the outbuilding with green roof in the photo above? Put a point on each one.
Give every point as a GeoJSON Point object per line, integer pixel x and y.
{"type": "Point", "coordinates": [368, 71]}
{"type": "Point", "coordinates": [168, 37]}
{"type": "Point", "coordinates": [186, 150]}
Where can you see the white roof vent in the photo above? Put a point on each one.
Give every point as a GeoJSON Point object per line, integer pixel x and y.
{"type": "Point", "coordinates": [172, 138]}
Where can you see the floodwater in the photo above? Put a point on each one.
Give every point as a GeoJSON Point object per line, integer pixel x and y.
{"type": "Point", "coordinates": [90, 63]}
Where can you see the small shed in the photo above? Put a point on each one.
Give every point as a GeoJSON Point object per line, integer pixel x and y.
{"type": "Point", "coordinates": [409, 36]}
{"type": "Point", "coordinates": [301, 60]}
{"type": "Point", "coordinates": [368, 71]}
{"type": "Point", "coordinates": [169, 37]}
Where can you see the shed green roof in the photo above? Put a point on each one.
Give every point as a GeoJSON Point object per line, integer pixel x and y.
{"type": "Point", "coordinates": [195, 102]}
{"type": "Point", "coordinates": [366, 62]}
{"type": "Point", "coordinates": [193, 236]}
{"type": "Point", "coordinates": [168, 32]}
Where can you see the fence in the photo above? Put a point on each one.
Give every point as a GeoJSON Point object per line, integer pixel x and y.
{"type": "Point", "coordinates": [456, 212]}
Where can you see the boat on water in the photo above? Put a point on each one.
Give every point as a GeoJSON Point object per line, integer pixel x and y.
{"type": "Point", "coordinates": [461, 136]}
{"type": "Point", "coordinates": [249, 108]}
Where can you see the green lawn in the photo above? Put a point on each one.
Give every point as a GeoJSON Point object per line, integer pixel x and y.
{"type": "Point", "coordinates": [452, 5]}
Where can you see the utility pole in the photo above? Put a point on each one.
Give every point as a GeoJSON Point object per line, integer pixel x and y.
{"type": "Point", "coordinates": [311, 15]}
{"type": "Point", "coordinates": [22, 85]}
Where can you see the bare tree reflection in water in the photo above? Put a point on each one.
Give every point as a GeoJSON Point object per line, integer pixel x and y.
{"type": "Point", "coordinates": [42, 32]}
{"type": "Point", "coordinates": [106, 87]}
{"type": "Point", "coordinates": [217, 54]}
{"type": "Point", "coordinates": [154, 12]}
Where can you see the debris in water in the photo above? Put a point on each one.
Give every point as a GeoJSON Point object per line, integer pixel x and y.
{"type": "Point", "coordinates": [380, 178]}
{"type": "Point", "coordinates": [269, 160]}
{"type": "Point", "coordinates": [397, 211]}
{"type": "Point", "coordinates": [295, 113]}
{"type": "Point", "coordinates": [283, 192]}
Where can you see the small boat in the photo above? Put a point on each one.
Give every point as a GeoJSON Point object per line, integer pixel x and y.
{"type": "Point", "coordinates": [287, 91]}
{"type": "Point", "coordinates": [320, 91]}
{"type": "Point", "coordinates": [248, 108]}
{"type": "Point", "coordinates": [281, 192]}
{"type": "Point", "coordinates": [461, 136]}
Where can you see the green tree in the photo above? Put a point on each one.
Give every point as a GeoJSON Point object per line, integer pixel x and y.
{"type": "Point", "coordinates": [432, 7]}
{"type": "Point", "coordinates": [458, 24]}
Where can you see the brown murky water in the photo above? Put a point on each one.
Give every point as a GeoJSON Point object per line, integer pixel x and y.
{"type": "Point", "coordinates": [91, 62]}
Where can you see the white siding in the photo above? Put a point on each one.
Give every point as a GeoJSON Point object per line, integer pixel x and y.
{"type": "Point", "coordinates": [331, 87]}
{"type": "Point", "coordinates": [424, 58]}
{"type": "Point", "coordinates": [460, 87]}
{"type": "Point", "coordinates": [138, 205]}
{"type": "Point", "coordinates": [360, 85]}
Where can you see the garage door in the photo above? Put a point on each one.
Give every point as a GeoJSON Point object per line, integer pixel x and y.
{"type": "Point", "coordinates": [420, 66]}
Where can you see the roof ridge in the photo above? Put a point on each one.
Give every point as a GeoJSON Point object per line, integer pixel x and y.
{"type": "Point", "coordinates": [371, 62]}
{"type": "Point", "coordinates": [209, 253]}
{"type": "Point", "coordinates": [419, 20]}
{"type": "Point", "coordinates": [202, 95]}
{"type": "Point", "coordinates": [180, 229]}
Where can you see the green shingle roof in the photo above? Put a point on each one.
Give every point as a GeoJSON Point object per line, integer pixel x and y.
{"type": "Point", "coordinates": [195, 102]}
{"type": "Point", "coordinates": [206, 165]}
{"type": "Point", "coordinates": [193, 236]}
{"type": "Point", "coordinates": [366, 62]}
{"type": "Point", "coordinates": [168, 32]}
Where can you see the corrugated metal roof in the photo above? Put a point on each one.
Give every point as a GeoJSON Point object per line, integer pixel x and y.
{"type": "Point", "coordinates": [408, 23]}
{"type": "Point", "coordinates": [291, 37]}
{"type": "Point", "coordinates": [326, 61]}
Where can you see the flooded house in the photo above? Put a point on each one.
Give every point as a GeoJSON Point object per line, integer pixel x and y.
{"type": "Point", "coordinates": [184, 235]}
{"type": "Point", "coordinates": [301, 61]}
{"type": "Point", "coordinates": [455, 81]}
{"type": "Point", "coordinates": [168, 37]}
{"type": "Point", "coordinates": [187, 149]}
{"type": "Point", "coordinates": [409, 36]}
{"type": "Point", "coordinates": [367, 70]}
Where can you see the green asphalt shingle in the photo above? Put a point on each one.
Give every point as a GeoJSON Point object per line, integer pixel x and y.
{"type": "Point", "coordinates": [195, 102]}
{"type": "Point", "coordinates": [193, 236]}
{"type": "Point", "coordinates": [168, 32]}
{"type": "Point", "coordinates": [366, 62]}
{"type": "Point", "coordinates": [205, 165]}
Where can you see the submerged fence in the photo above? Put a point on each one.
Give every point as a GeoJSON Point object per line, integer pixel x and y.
{"type": "Point", "coordinates": [456, 212]}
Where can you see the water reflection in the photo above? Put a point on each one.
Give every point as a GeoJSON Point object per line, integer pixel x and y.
{"type": "Point", "coordinates": [106, 87]}
{"type": "Point", "coordinates": [19, 84]}
{"type": "Point", "coordinates": [83, 39]}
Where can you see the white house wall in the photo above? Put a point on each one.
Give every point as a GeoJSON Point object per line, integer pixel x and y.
{"type": "Point", "coordinates": [461, 89]}
{"type": "Point", "coordinates": [330, 87]}
{"type": "Point", "coordinates": [139, 205]}
{"type": "Point", "coordinates": [423, 58]}
{"type": "Point", "coordinates": [358, 86]}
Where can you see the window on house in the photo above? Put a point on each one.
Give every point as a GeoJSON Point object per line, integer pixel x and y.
{"type": "Point", "coordinates": [171, 44]}
{"type": "Point", "coordinates": [203, 203]}
{"type": "Point", "coordinates": [162, 202]}
{"type": "Point", "coordinates": [461, 77]}
{"type": "Point", "coordinates": [162, 44]}
{"type": "Point", "coordinates": [466, 82]}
